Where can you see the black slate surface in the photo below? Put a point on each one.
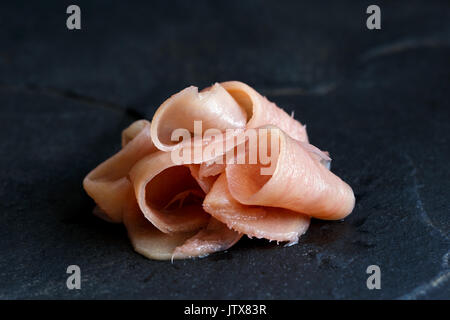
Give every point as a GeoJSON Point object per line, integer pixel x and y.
{"type": "Point", "coordinates": [377, 100]}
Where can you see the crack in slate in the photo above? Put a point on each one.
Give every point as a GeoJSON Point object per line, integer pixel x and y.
{"type": "Point", "coordinates": [419, 204]}
{"type": "Point", "coordinates": [317, 90]}
{"type": "Point", "coordinates": [444, 275]}
{"type": "Point", "coordinates": [404, 45]}
{"type": "Point", "coordinates": [72, 95]}
{"type": "Point", "coordinates": [436, 282]}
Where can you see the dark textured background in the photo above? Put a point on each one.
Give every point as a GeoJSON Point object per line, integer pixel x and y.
{"type": "Point", "coordinates": [377, 100]}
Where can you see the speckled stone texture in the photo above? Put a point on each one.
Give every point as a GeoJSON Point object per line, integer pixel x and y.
{"type": "Point", "coordinates": [379, 101]}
